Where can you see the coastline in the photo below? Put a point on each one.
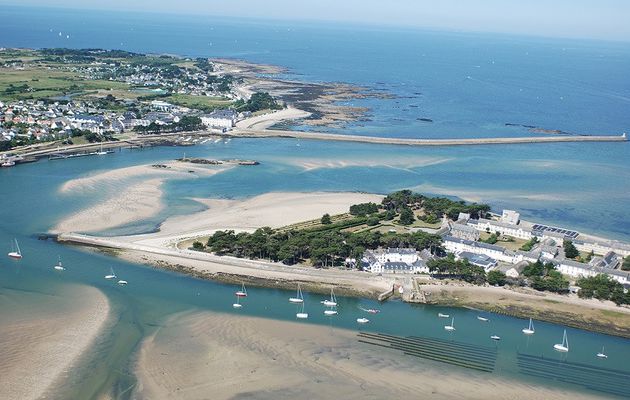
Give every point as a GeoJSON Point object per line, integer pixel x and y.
{"type": "Point", "coordinates": [39, 352]}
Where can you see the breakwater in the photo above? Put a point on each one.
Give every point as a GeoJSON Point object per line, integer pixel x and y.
{"type": "Point", "coordinates": [270, 133]}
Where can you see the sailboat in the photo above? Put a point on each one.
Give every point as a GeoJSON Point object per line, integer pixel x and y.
{"type": "Point", "coordinates": [302, 314]}
{"type": "Point", "coordinates": [238, 302]}
{"type": "Point", "coordinates": [111, 275]}
{"type": "Point", "coordinates": [450, 327]}
{"type": "Point", "coordinates": [299, 297]}
{"type": "Point", "coordinates": [59, 266]}
{"type": "Point", "coordinates": [440, 315]}
{"type": "Point", "coordinates": [495, 337]}
{"type": "Point", "coordinates": [332, 310]}
{"type": "Point", "coordinates": [101, 152]}
{"type": "Point", "coordinates": [564, 347]}
{"type": "Point", "coordinates": [332, 302]}
{"type": "Point", "coordinates": [15, 253]}
{"type": "Point", "coordinates": [601, 354]}
{"type": "Point", "coordinates": [122, 282]}
{"type": "Point", "coordinates": [530, 329]}
{"type": "Point", "coordinates": [482, 319]}
{"type": "Point", "coordinates": [362, 320]}
{"type": "Point", "coordinates": [242, 292]}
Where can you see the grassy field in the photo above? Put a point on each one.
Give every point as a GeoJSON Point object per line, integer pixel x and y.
{"type": "Point", "coordinates": [199, 102]}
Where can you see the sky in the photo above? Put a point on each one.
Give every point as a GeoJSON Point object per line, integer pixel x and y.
{"type": "Point", "coordinates": [590, 19]}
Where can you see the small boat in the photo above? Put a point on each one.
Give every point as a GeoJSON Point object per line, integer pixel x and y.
{"type": "Point", "coordinates": [122, 282]}
{"type": "Point", "coordinates": [450, 327]}
{"type": "Point", "coordinates": [299, 298]}
{"type": "Point", "coordinates": [530, 329]}
{"type": "Point", "coordinates": [362, 320]}
{"type": "Point", "coordinates": [111, 275]}
{"type": "Point", "coordinates": [15, 252]}
{"type": "Point", "coordinates": [495, 337]}
{"type": "Point", "coordinates": [373, 311]}
{"type": "Point", "coordinates": [564, 347]}
{"type": "Point", "coordinates": [601, 354]}
{"type": "Point", "coordinates": [302, 314]}
{"type": "Point", "coordinates": [332, 302]}
{"type": "Point", "coordinates": [238, 302]}
{"type": "Point", "coordinates": [482, 319]}
{"type": "Point", "coordinates": [59, 266]}
{"type": "Point", "coordinates": [443, 315]}
{"type": "Point", "coordinates": [242, 292]}
{"type": "Point", "coordinates": [331, 311]}
{"type": "Point", "coordinates": [101, 152]}
{"type": "Point", "coordinates": [8, 163]}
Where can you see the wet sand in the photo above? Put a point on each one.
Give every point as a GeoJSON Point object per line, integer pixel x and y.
{"type": "Point", "coordinates": [43, 335]}
{"type": "Point", "coordinates": [207, 355]}
{"type": "Point", "coordinates": [130, 194]}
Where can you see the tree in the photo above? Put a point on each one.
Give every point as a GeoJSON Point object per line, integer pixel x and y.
{"type": "Point", "coordinates": [363, 209]}
{"type": "Point", "coordinates": [198, 245]}
{"type": "Point", "coordinates": [626, 264]}
{"type": "Point", "coordinates": [496, 277]}
{"type": "Point", "coordinates": [326, 219]}
{"type": "Point", "coordinates": [406, 216]}
{"type": "Point", "coordinates": [372, 221]}
{"type": "Point", "coordinates": [530, 244]}
{"type": "Point", "coordinates": [569, 249]}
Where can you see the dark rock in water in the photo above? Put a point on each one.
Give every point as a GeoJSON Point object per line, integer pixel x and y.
{"type": "Point", "coordinates": [424, 119]}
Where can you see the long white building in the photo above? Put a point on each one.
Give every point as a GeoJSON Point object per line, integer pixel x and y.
{"type": "Point", "coordinates": [577, 269]}
{"type": "Point", "coordinates": [504, 228]}
{"type": "Point", "coordinates": [396, 261]}
{"type": "Point", "coordinates": [457, 246]}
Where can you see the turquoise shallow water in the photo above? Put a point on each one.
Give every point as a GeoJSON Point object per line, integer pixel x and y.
{"type": "Point", "coordinates": [469, 85]}
{"type": "Point", "coordinates": [153, 295]}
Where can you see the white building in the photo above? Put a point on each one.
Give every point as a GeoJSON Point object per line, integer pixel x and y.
{"type": "Point", "coordinates": [488, 225]}
{"type": "Point", "coordinates": [396, 260]}
{"type": "Point", "coordinates": [480, 260]}
{"type": "Point", "coordinates": [510, 217]}
{"type": "Point", "coordinates": [222, 119]}
{"type": "Point", "coordinates": [576, 270]}
{"type": "Point", "coordinates": [623, 249]}
{"type": "Point", "coordinates": [457, 246]}
{"type": "Point", "coordinates": [464, 232]}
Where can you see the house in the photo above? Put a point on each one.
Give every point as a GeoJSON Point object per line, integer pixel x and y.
{"type": "Point", "coordinates": [396, 260]}
{"type": "Point", "coordinates": [480, 260]}
{"type": "Point", "coordinates": [464, 232]}
{"type": "Point", "coordinates": [544, 231]}
{"type": "Point", "coordinates": [622, 249]}
{"type": "Point", "coordinates": [221, 119]}
{"type": "Point", "coordinates": [160, 105]}
{"type": "Point", "coordinates": [546, 251]}
{"type": "Point", "coordinates": [609, 261]}
{"type": "Point", "coordinates": [510, 217]}
{"type": "Point", "coordinates": [463, 218]}
{"type": "Point", "coordinates": [456, 246]}
{"type": "Point", "coordinates": [577, 270]}
{"type": "Point", "coordinates": [506, 229]}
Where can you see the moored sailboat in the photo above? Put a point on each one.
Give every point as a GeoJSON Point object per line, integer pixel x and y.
{"type": "Point", "coordinates": [530, 329]}
{"type": "Point", "coordinates": [299, 298]}
{"type": "Point", "coordinates": [332, 302]}
{"type": "Point", "coordinates": [59, 266]}
{"type": "Point", "coordinates": [564, 347]}
{"type": "Point", "coordinates": [15, 252]}
{"type": "Point", "coordinates": [302, 314]}
{"type": "Point", "coordinates": [111, 274]}
{"type": "Point", "coordinates": [450, 327]}
{"type": "Point", "coordinates": [242, 292]}
{"type": "Point", "coordinates": [601, 354]}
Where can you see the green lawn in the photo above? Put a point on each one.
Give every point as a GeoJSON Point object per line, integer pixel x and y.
{"type": "Point", "coordinates": [199, 102]}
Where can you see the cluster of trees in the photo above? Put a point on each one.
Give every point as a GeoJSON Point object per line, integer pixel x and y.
{"type": "Point", "coordinates": [326, 245]}
{"type": "Point", "coordinates": [12, 89]}
{"type": "Point", "coordinates": [569, 249]}
{"type": "Point", "coordinates": [434, 207]}
{"type": "Point", "coordinates": [602, 287]}
{"type": "Point", "coordinates": [459, 269]}
{"type": "Point", "coordinates": [544, 277]}
{"type": "Point", "coordinates": [204, 65]}
{"type": "Point", "coordinates": [186, 123]}
{"type": "Point", "coordinates": [258, 101]}
{"type": "Point", "coordinates": [90, 52]}
{"type": "Point", "coordinates": [529, 244]}
{"type": "Point", "coordinates": [626, 264]}
{"type": "Point", "coordinates": [91, 136]}
{"type": "Point", "coordinates": [363, 209]}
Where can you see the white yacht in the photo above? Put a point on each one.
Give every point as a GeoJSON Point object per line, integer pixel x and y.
{"type": "Point", "coordinates": [564, 347]}
{"type": "Point", "coordinates": [332, 302]}
{"type": "Point", "coordinates": [450, 327]}
{"type": "Point", "coordinates": [299, 298]}
{"type": "Point", "coordinates": [15, 252]}
{"type": "Point", "coordinates": [530, 329]}
{"type": "Point", "coordinates": [59, 266]}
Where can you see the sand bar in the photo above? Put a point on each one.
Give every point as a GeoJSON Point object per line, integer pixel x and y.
{"type": "Point", "coordinates": [41, 343]}
{"type": "Point", "coordinates": [203, 355]}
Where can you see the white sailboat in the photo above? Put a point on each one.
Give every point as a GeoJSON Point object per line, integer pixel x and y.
{"type": "Point", "coordinates": [440, 315]}
{"type": "Point", "coordinates": [495, 337]}
{"type": "Point", "coordinates": [111, 275]}
{"type": "Point", "coordinates": [530, 329]}
{"type": "Point", "coordinates": [362, 320]}
{"type": "Point", "coordinates": [101, 152]}
{"type": "Point", "coordinates": [332, 310]}
{"type": "Point", "coordinates": [482, 319]}
{"type": "Point", "coordinates": [302, 314]}
{"type": "Point", "coordinates": [450, 327]}
{"type": "Point", "coordinates": [242, 292]}
{"type": "Point", "coordinates": [601, 354]}
{"type": "Point", "coordinates": [299, 298]}
{"type": "Point", "coordinates": [238, 302]}
{"type": "Point", "coordinates": [332, 302]}
{"type": "Point", "coordinates": [15, 252]}
{"type": "Point", "coordinates": [564, 347]}
{"type": "Point", "coordinates": [59, 266]}
{"type": "Point", "coordinates": [122, 282]}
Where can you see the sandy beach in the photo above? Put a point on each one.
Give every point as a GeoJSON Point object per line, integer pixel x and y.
{"type": "Point", "coordinates": [201, 355]}
{"type": "Point", "coordinates": [41, 343]}
{"type": "Point", "coordinates": [133, 192]}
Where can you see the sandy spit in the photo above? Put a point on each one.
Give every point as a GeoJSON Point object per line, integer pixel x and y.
{"type": "Point", "coordinates": [41, 343]}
